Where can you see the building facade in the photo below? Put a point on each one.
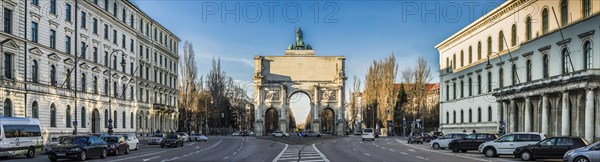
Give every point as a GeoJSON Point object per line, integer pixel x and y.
{"type": "Point", "coordinates": [87, 61]}
{"type": "Point", "coordinates": [527, 65]}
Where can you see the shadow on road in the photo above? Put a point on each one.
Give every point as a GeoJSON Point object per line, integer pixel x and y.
{"type": "Point", "coordinates": [299, 140]}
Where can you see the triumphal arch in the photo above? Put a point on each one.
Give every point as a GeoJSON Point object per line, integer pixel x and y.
{"type": "Point", "coordinates": [299, 70]}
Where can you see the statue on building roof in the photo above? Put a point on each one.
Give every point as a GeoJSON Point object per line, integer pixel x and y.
{"type": "Point", "coordinates": [299, 45]}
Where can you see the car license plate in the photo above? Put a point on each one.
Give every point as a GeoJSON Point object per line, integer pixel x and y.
{"type": "Point", "coordinates": [60, 155]}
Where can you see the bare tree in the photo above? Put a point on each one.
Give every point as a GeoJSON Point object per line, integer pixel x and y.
{"type": "Point", "coordinates": [187, 84]}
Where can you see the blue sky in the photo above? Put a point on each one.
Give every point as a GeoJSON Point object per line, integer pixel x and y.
{"type": "Point", "coordinates": [363, 31]}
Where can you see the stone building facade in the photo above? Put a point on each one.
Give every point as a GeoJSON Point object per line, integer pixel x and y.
{"type": "Point", "coordinates": [66, 61]}
{"type": "Point", "coordinates": [525, 67]}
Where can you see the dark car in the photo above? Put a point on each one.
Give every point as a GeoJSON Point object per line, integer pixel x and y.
{"type": "Point", "coordinates": [435, 135]}
{"type": "Point", "coordinates": [116, 144]}
{"type": "Point", "coordinates": [172, 140]}
{"type": "Point", "coordinates": [78, 148]}
{"type": "Point", "coordinates": [427, 137]}
{"type": "Point", "coordinates": [470, 142]}
{"type": "Point", "coordinates": [549, 148]}
{"type": "Point", "coordinates": [415, 138]}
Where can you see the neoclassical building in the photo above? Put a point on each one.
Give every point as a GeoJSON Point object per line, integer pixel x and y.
{"type": "Point", "coordinates": [523, 66]}
{"type": "Point", "coordinates": [87, 61]}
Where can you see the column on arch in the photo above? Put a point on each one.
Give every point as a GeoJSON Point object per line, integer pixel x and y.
{"type": "Point", "coordinates": [283, 118]}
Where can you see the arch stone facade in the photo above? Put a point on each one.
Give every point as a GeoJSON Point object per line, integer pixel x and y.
{"type": "Point", "coordinates": [299, 70]}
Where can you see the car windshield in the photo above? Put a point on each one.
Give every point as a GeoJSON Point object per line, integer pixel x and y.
{"type": "Point", "coordinates": [471, 136]}
{"type": "Point", "coordinates": [172, 136]}
{"type": "Point", "coordinates": [157, 135]}
{"type": "Point", "coordinates": [73, 140]}
{"type": "Point", "coordinates": [110, 139]}
{"type": "Point", "coordinates": [368, 131]}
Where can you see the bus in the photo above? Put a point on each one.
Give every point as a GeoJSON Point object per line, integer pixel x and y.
{"type": "Point", "coordinates": [20, 136]}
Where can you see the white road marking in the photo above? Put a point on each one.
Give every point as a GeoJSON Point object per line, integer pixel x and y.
{"type": "Point", "coordinates": [150, 158]}
{"type": "Point", "coordinates": [225, 157]}
{"type": "Point", "coordinates": [412, 150]}
{"type": "Point", "coordinates": [404, 153]}
{"type": "Point", "coordinates": [392, 150]}
{"type": "Point", "coordinates": [354, 149]}
{"type": "Point", "coordinates": [208, 148]}
{"type": "Point", "coordinates": [425, 149]}
{"type": "Point", "coordinates": [383, 147]}
{"type": "Point", "coordinates": [321, 154]}
{"type": "Point", "coordinates": [197, 147]}
{"type": "Point", "coordinates": [281, 153]}
{"type": "Point", "coordinates": [366, 154]}
{"type": "Point", "coordinates": [132, 157]}
{"type": "Point", "coordinates": [422, 158]}
{"type": "Point", "coordinates": [235, 152]}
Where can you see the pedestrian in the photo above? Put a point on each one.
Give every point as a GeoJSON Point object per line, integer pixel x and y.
{"type": "Point", "coordinates": [474, 131]}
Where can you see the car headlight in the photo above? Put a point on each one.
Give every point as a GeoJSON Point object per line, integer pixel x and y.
{"type": "Point", "coordinates": [76, 149]}
{"type": "Point", "coordinates": [480, 146]}
{"type": "Point", "coordinates": [568, 153]}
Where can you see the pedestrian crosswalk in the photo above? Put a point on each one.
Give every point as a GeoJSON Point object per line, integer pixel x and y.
{"type": "Point", "coordinates": [307, 154]}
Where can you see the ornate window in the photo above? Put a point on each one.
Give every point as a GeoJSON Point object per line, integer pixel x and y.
{"type": "Point", "coordinates": [545, 21]}
{"type": "Point", "coordinates": [35, 110]}
{"type": "Point", "coordinates": [489, 113]}
{"type": "Point", "coordinates": [454, 117]}
{"type": "Point", "coordinates": [131, 120]}
{"type": "Point", "coordinates": [545, 65]}
{"type": "Point", "coordinates": [68, 80]}
{"type": "Point", "coordinates": [515, 77]}
{"type": "Point", "coordinates": [447, 117]}
{"type": "Point", "coordinates": [52, 115]}
{"type": "Point", "coordinates": [124, 123]}
{"type": "Point", "coordinates": [501, 41]}
{"type": "Point", "coordinates": [501, 78]}
{"type": "Point", "coordinates": [513, 37]}
{"type": "Point", "coordinates": [34, 71]}
{"type": "Point", "coordinates": [8, 66]}
{"type": "Point", "coordinates": [454, 90]}
{"type": "Point", "coordinates": [95, 82]}
{"type": "Point", "coordinates": [462, 89]}
{"type": "Point", "coordinates": [105, 118]}
{"type": "Point", "coordinates": [470, 87]}
{"type": "Point", "coordinates": [528, 28]}
{"type": "Point", "coordinates": [454, 65]}
{"type": "Point", "coordinates": [470, 116]}
{"type": "Point", "coordinates": [462, 58]}
{"type": "Point", "coordinates": [83, 117]}
{"type": "Point", "coordinates": [587, 8]}
{"type": "Point", "coordinates": [462, 116]}
{"type": "Point", "coordinates": [588, 56]}
{"type": "Point", "coordinates": [564, 12]}
{"type": "Point", "coordinates": [115, 119]}
{"type": "Point", "coordinates": [489, 47]}
{"type": "Point", "coordinates": [479, 114]}
{"type": "Point", "coordinates": [479, 50]}
{"type": "Point", "coordinates": [528, 70]}
{"type": "Point", "coordinates": [565, 61]}
{"type": "Point", "coordinates": [8, 108]}
{"type": "Point", "coordinates": [68, 116]}
{"type": "Point", "coordinates": [470, 54]}
{"type": "Point", "coordinates": [83, 83]}
{"type": "Point", "coordinates": [478, 84]}
{"type": "Point", "coordinates": [489, 82]}
{"type": "Point", "coordinates": [447, 92]}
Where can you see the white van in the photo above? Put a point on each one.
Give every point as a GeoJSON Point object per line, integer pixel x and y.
{"type": "Point", "coordinates": [367, 134]}
{"type": "Point", "coordinates": [507, 144]}
{"type": "Point", "coordinates": [20, 136]}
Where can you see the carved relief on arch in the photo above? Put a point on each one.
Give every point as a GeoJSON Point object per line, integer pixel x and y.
{"type": "Point", "coordinates": [272, 95]}
{"type": "Point", "coordinates": [328, 95]}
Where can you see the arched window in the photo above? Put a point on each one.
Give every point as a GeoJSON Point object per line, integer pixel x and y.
{"type": "Point", "coordinates": [95, 85]}
{"type": "Point", "coordinates": [566, 63]}
{"type": "Point", "coordinates": [34, 72]}
{"type": "Point", "coordinates": [545, 65]}
{"type": "Point", "coordinates": [588, 56]}
{"type": "Point", "coordinates": [462, 88]}
{"type": "Point", "coordinates": [131, 120]}
{"type": "Point", "coordinates": [447, 92]}
{"type": "Point", "coordinates": [515, 76]}
{"type": "Point", "coordinates": [470, 54]}
{"type": "Point", "coordinates": [513, 37]}
{"type": "Point", "coordinates": [479, 114]}
{"type": "Point", "coordinates": [68, 80]}
{"type": "Point", "coordinates": [587, 8]}
{"type": "Point", "coordinates": [52, 115]}
{"type": "Point", "coordinates": [501, 78]}
{"type": "Point", "coordinates": [470, 87]}
{"type": "Point", "coordinates": [462, 116]}
{"type": "Point", "coordinates": [454, 117]}
{"type": "Point", "coordinates": [105, 118]}
{"type": "Point", "coordinates": [489, 82]}
{"type": "Point", "coordinates": [115, 119]}
{"type": "Point", "coordinates": [528, 28]}
{"type": "Point", "coordinates": [564, 12]}
{"type": "Point", "coordinates": [68, 116]}
{"type": "Point", "coordinates": [470, 116]}
{"type": "Point", "coordinates": [35, 110]}
{"type": "Point", "coordinates": [106, 87]}
{"type": "Point", "coordinates": [7, 108]}
{"type": "Point", "coordinates": [501, 41]}
{"type": "Point", "coordinates": [124, 120]}
{"type": "Point", "coordinates": [462, 58]}
{"type": "Point", "coordinates": [447, 62]}
{"type": "Point", "coordinates": [83, 83]}
{"type": "Point", "coordinates": [83, 117]}
{"type": "Point", "coordinates": [454, 59]}
{"type": "Point", "coordinates": [447, 117]}
{"type": "Point", "coordinates": [545, 21]}
{"type": "Point", "coordinates": [454, 90]}
{"type": "Point", "coordinates": [489, 113]}
{"type": "Point", "coordinates": [528, 70]}
{"type": "Point", "coordinates": [489, 47]}
{"type": "Point", "coordinates": [479, 84]}
{"type": "Point", "coordinates": [123, 91]}
{"type": "Point", "coordinates": [479, 50]}
{"type": "Point", "coordinates": [52, 75]}
{"type": "Point", "coordinates": [115, 89]}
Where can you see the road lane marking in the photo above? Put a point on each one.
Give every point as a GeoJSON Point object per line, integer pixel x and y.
{"type": "Point", "coordinates": [354, 149]}
{"type": "Point", "coordinates": [150, 158]}
{"type": "Point", "coordinates": [425, 149]}
{"type": "Point", "coordinates": [186, 155]}
{"type": "Point", "coordinates": [366, 154]}
{"type": "Point", "coordinates": [412, 150]}
{"type": "Point", "coordinates": [422, 158]}
{"type": "Point", "coordinates": [225, 157]}
{"type": "Point", "coordinates": [320, 154]}
{"type": "Point", "coordinates": [404, 153]}
{"type": "Point", "coordinates": [281, 153]}
{"type": "Point", "coordinates": [132, 157]}
{"type": "Point", "coordinates": [192, 143]}
{"type": "Point", "coordinates": [392, 150]}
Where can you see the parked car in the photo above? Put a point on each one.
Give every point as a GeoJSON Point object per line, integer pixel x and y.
{"type": "Point", "coordinates": [442, 142]}
{"type": "Point", "coordinates": [116, 144]}
{"type": "Point", "coordinates": [51, 143]}
{"type": "Point", "coordinates": [470, 142]}
{"type": "Point", "coordinates": [368, 133]}
{"type": "Point", "coordinates": [311, 134]}
{"type": "Point", "coordinates": [132, 141]}
{"type": "Point", "coordinates": [156, 138]}
{"type": "Point", "coordinates": [184, 136]}
{"type": "Point", "coordinates": [427, 137]}
{"type": "Point", "coordinates": [415, 137]}
{"type": "Point", "coordinates": [236, 133]}
{"type": "Point", "coordinates": [250, 133]}
{"type": "Point", "coordinates": [172, 140]}
{"type": "Point", "coordinates": [78, 148]}
{"type": "Point", "coordinates": [280, 134]}
{"type": "Point", "coordinates": [584, 154]}
{"type": "Point", "coordinates": [549, 148]}
{"type": "Point", "coordinates": [507, 144]}
{"type": "Point", "coordinates": [357, 132]}
{"type": "Point", "coordinates": [436, 135]}
{"type": "Point", "coordinates": [20, 136]}
{"type": "Point", "coordinates": [198, 137]}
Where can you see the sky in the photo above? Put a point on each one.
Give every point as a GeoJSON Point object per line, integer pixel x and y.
{"type": "Point", "coordinates": [362, 31]}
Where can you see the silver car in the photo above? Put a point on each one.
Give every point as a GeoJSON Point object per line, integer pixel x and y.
{"type": "Point", "coordinates": [584, 154]}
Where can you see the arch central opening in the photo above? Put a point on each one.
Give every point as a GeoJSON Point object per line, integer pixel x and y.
{"type": "Point", "coordinates": [299, 110]}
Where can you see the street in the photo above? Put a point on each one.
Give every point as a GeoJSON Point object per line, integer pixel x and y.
{"type": "Point", "coordinates": [352, 148]}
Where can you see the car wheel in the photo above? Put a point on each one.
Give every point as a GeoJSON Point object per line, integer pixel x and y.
{"type": "Point", "coordinates": [453, 148]}
{"type": "Point", "coordinates": [30, 152]}
{"type": "Point", "coordinates": [82, 156]}
{"type": "Point", "coordinates": [127, 150]}
{"type": "Point", "coordinates": [581, 159]}
{"type": "Point", "coordinates": [489, 152]}
{"type": "Point", "coordinates": [53, 159]}
{"type": "Point", "coordinates": [526, 156]}
{"type": "Point", "coordinates": [103, 155]}
{"type": "Point", "coordinates": [116, 152]}
{"type": "Point", "coordinates": [436, 146]}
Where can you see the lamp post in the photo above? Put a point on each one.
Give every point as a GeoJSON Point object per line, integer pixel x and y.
{"type": "Point", "coordinates": [110, 126]}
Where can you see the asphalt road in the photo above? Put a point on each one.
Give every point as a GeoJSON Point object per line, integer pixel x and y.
{"type": "Point", "coordinates": [262, 149]}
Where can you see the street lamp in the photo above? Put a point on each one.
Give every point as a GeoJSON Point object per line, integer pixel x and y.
{"type": "Point", "coordinates": [110, 126]}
